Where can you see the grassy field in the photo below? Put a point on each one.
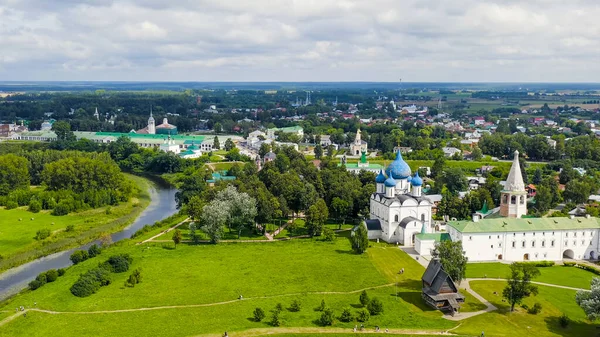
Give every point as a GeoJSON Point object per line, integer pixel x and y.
{"type": "Point", "coordinates": [207, 275]}
{"type": "Point", "coordinates": [18, 227]}
{"type": "Point", "coordinates": [554, 303]}
{"type": "Point", "coordinates": [560, 275]}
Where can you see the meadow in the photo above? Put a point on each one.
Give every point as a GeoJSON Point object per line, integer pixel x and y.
{"type": "Point", "coordinates": [18, 227]}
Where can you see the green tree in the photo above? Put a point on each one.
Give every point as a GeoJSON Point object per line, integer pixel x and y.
{"type": "Point", "coordinates": [329, 234]}
{"type": "Point", "coordinates": [218, 128]}
{"type": "Point", "coordinates": [316, 216]}
{"type": "Point", "coordinates": [216, 144]}
{"type": "Point", "coordinates": [359, 239]}
{"type": "Point", "coordinates": [519, 283]}
{"type": "Point", "coordinates": [275, 321]}
{"type": "Point", "coordinates": [346, 315]}
{"type": "Point", "coordinates": [375, 306]}
{"type": "Point", "coordinates": [438, 167]}
{"type": "Point", "coordinates": [364, 298]}
{"type": "Point", "coordinates": [194, 207]}
{"type": "Point", "coordinates": [330, 151]}
{"type": "Point", "coordinates": [339, 209]}
{"type": "Point", "coordinates": [476, 154]}
{"type": "Point", "coordinates": [577, 191]}
{"type": "Point", "coordinates": [264, 149]}
{"type": "Point", "coordinates": [14, 173]}
{"type": "Point", "coordinates": [537, 176]}
{"type": "Point", "coordinates": [318, 151]}
{"type": "Point", "coordinates": [452, 258]}
{"type": "Point", "coordinates": [259, 314]}
{"type": "Point", "coordinates": [240, 206]}
{"type": "Point", "coordinates": [213, 218]}
{"type": "Point", "coordinates": [229, 145]}
{"type": "Point", "coordinates": [327, 317]}
{"type": "Point", "coordinates": [177, 237]}
{"type": "Point", "coordinates": [455, 180]}
{"type": "Point", "coordinates": [589, 301]}
{"type": "Point", "coordinates": [63, 131]}
{"type": "Point", "coordinates": [567, 174]}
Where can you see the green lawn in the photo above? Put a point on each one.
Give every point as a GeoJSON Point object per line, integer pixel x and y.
{"type": "Point", "coordinates": [560, 275]}
{"type": "Point", "coordinates": [265, 273]}
{"type": "Point", "coordinates": [18, 227]}
{"type": "Point", "coordinates": [554, 301]}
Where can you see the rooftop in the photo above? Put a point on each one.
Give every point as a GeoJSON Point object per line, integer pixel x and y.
{"type": "Point", "coordinates": [489, 225]}
{"type": "Point", "coordinates": [438, 237]}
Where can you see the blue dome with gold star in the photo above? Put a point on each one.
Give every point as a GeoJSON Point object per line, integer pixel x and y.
{"type": "Point", "coordinates": [398, 169]}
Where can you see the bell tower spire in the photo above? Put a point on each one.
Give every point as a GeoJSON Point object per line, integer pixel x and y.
{"type": "Point", "coordinates": [513, 199]}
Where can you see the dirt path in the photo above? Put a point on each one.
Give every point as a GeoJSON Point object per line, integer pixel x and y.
{"type": "Point", "coordinates": [164, 232]}
{"type": "Point", "coordinates": [317, 330]}
{"type": "Point", "coordinates": [534, 282]}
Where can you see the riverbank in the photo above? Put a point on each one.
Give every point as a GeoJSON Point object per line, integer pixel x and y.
{"type": "Point", "coordinates": [18, 228]}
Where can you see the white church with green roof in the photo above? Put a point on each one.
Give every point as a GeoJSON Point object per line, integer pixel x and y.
{"type": "Point", "coordinates": [512, 237]}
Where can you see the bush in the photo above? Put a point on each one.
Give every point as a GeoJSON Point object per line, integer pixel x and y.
{"type": "Point", "coordinates": [375, 307]}
{"type": "Point", "coordinates": [525, 306]}
{"type": "Point", "coordinates": [35, 206]}
{"type": "Point", "coordinates": [259, 314]}
{"type": "Point", "coordinates": [279, 307]}
{"type": "Point", "coordinates": [90, 282]}
{"type": "Point", "coordinates": [61, 272]}
{"type": "Point", "coordinates": [79, 256]}
{"type": "Point", "coordinates": [70, 228]}
{"type": "Point", "coordinates": [326, 317]}
{"type": "Point", "coordinates": [564, 320]}
{"type": "Point", "coordinates": [94, 251]}
{"type": "Point", "coordinates": [118, 263]}
{"type": "Point", "coordinates": [541, 263]}
{"type": "Point", "coordinates": [346, 315]}
{"type": "Point", "coordinates": [10, 204]}
{"type": "Point", "coordinates": [51, 275]}
{"type": "Point", "coordinates": [363, 315]}
{"type": "Point", "coordinates": [321, 307]}
{"type": "Point", "coordinates": [275, 319]}
{"type": "Point", "coordinates": [536, 309]}
{"type": "Point", "coordinates": [62, 208]}
{"type": "Point", "coordinates": [582, 266]}
{"type": "Point", "coordinates": [296, 306]}
{"type": "Point", "coordinates": [108, 210]}
{"type": "Point", "coordinates": [33, 285]}
{"type": "Point", "coordinates": [329, 234]}
{"type": "Point", "coordinates": [364, 298]}
{"type": "Point", "coordinates": [42, 278]}
{"type": "Point", "coordinates": [42, 234]}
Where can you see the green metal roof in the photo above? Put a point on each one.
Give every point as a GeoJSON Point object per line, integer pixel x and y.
{"type": "Point", "coordinates": [434, 236]}
{"type": "Point", "coordinates": [370, 166]}
{"type": "Point", "coordinates": [148, 136]}
{"type": "Point", "coordinates": [288, 129]}
{"type": "Point", "coordinates": [523, 225]}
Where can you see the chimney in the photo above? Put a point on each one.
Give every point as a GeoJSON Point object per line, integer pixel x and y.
{"type": "Point", "coordinates": [475, 217]}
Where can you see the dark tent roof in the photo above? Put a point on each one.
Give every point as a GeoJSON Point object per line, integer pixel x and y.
{"type": "Point", "coordinates": [373, 224]}
{"type": "Point", "coordinates": [436, 280]}
{"type": "Point", "coordinates": [406, 220]}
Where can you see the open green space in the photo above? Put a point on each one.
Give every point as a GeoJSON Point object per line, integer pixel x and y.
{"type": "Point", "coordinates": [554, 301]}
{"type": "Point", "coordinates": [18, 227]}
{"type": "Point", "coordinates": [559, 275]}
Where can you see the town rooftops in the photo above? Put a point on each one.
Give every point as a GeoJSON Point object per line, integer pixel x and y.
{"type": "Point", "coordinates": [488, 225]}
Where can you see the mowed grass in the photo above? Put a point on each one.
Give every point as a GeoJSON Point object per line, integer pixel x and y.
{"type": "Point", "coordinates": [559, 275]}
{"type": "Point", "coordinates": [213, 276]}
{"type": "Point", "coordinates": [554, 301]}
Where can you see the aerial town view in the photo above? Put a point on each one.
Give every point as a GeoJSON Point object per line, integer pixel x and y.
{"type": "Point", "coordinates": [299, 168]}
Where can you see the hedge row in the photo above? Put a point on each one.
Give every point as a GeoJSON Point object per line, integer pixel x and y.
{"type": "Point", "coordinates": [46, 277]}
{"type": "Point", "coordinates": [582, 266]}
{"type": "Point", "coordinates": [98, 277]}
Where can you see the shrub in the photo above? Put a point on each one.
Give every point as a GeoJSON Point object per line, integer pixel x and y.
{"type": "Point", "coordinates": [582, 266]}
{"type": "Point", "coordinates": [118, 263]}
{"type": "Point", "coordinates": [525, 306]}
{"type": "Point", "coordinates": [275, 319]}
{"type": "Point", "coordinates": [79, 256]}
{"type": "Point", "coordinates": [108, 210]}
{"type": "Point", "coordinates": [364, 298]}
{"type": "Point", "coordinates": [329, 234]}
{"type": "Point", "coordinates": [70, 228]}
{"type": "Point", "coordinates": [35, 206]}
{"type": "Point", "coordinates": [321, 307]}
{"type": "Point", "coordinates": [259, 314]}
{"type": "Point", "coordinates": [61, 272]}
{"type": "Point", "coordinates": [51, 275]}
{"type": "Point", "coordinates": [33, 285]}
{"type": "Point", "coordinates": [11, 204]}
{"type": "Point", "coordinates": [326, 317]}
{"type": "Point", "coordinates": [296, 306]}
{"type": "Point", "coordinates": [363, 315]}
{"type": "Point", "coordinates": [94, 250]}
{"type": "Point", "coordinates": [375, 307]}
{"type": "Point", "coordinates": [62, 208]}
{"type": "Point", "coordinates": [564, 320]}
{"type": "Point", "coordinates": [134, 278]}
{"type": "Point", "coordinates": [346, 315]}
{"type": "Point", "coordinates": [279, 307]}
{"type": "Point", "coordinates": [90, 282]}
{"type": "Point", "coordinates": [42, 278]}
{"type": "Point", "coordinates": [42, 234]}
{"type": "Point", "coordinates": [541, 263]}
{"type": "Point", "coordinates": [536, 309]}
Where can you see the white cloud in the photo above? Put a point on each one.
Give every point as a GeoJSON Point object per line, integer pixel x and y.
{"type": "Point", "coordinates": [298, 40]}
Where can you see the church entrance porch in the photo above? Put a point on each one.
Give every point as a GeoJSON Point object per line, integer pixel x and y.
{"type": "Point", "coordinates": [568, 254]}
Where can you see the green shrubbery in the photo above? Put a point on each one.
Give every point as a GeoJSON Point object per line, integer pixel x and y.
{"type": "Point", "coordinates": [326, 317]}
{"type": "Point", "coordinates": [259, 314]}
{"type": "Point", "coordinates": [90, 282]}
{"type": "Point", "coordinates": [118, 263]}
{"type": "Point", "coordinates": [295, 306]}
{"type": "Point", "coordinates": [346, 315]}
{"type": "Point", "coordinates": [364, 298]}
{"type": "Point", "coordinates": [10, 204]}
{"type": "Point", "coordinates": [35, 206]}
{"type": "Point", "coordinates": [134, 278]}
{"type": "Point", "coordinates": [536, 309]}
{"type": "Point", "coordinates": [363, 315]}
{"type": "Point", "coordinates": [79, 256]}
{"type": "Point", "coordinates": [375, 307]}
{"type": "Point", "coordinates": [42, 234]}
{"type": "Point", "coordinates": [540, 263]}
{"type": "Point", "coordinates": [45, 277]}
{"type": "Point", "coordinates": [582, 266]}
{"type": "Point", "coordinates": [94, 250]}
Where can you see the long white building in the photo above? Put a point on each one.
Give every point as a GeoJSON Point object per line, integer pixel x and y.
{"type": "Point", "coordinates": [511, 237]}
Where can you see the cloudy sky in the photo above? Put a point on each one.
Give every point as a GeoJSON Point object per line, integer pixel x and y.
{"type": "Point", "coordinates": [301, 40]}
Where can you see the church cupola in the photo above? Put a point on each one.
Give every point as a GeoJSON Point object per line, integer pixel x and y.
{"type": "Point", "coordinates": [416, 183]}
{"type": "Point", "coordinates": [380, 180]}
{"type": "Point", "coordinates": [513, 198]}
{"type": "Point", "coordinates": [400, 171]}
{"type": "Point", "coordinates": [390, 187]}
{"type": "Point", "coordinates": [151, 124]}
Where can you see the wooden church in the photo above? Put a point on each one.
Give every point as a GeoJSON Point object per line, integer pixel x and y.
{"type": "Point", "coordinates": [439, 290]}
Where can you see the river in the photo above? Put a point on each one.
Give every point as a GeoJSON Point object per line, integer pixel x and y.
{"type": "Point", "coordinates": [162, 205]}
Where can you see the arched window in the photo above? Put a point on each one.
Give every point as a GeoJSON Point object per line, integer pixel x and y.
{"type": "Point", "coordinates": [396, 218]}
{"type": "Point", "coordinates": [423, 217]}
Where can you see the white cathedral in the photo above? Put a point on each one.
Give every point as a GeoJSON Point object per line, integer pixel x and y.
{"type": "Point", "coordinates": [400, 214]}
{"type": "Point", "coordinates": [398, 211]}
